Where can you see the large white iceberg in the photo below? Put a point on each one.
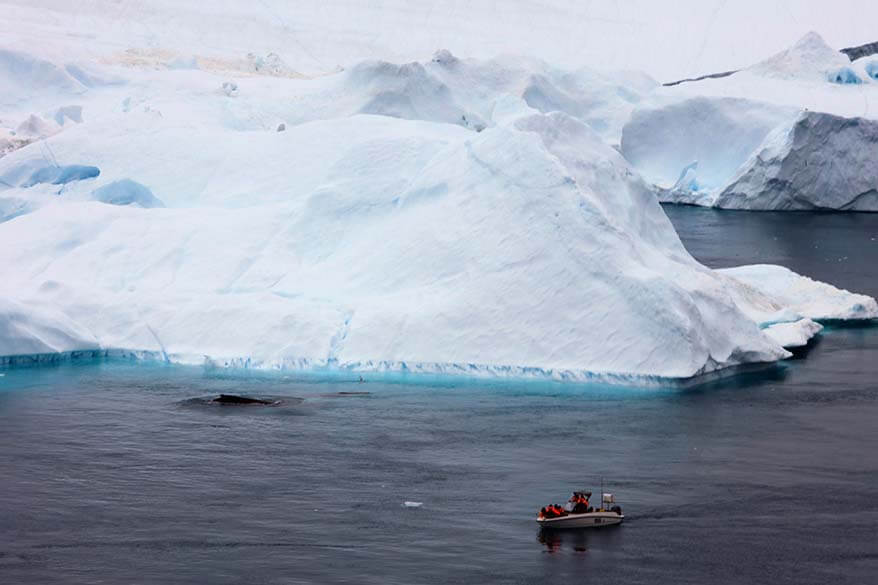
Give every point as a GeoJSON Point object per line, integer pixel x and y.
{"type": "Point", "coordinates": [422, 246]}
{"type": "Point", "coordinates": [452, 216]}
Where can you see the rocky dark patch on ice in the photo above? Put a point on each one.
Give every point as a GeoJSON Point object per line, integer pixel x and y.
{"type": "Point", "coordinates": [701, 77]}
{"type": "Point", "coordinates": [860, 51]}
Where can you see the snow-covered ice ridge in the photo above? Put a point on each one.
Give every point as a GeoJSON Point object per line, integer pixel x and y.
{"type": "Point", "coordinates": [796, 131]}
{"type": "Point", "coordinates": [453, 216]}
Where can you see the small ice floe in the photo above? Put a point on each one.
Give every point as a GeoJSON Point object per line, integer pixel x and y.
{"type": "Point", "coordinates": [408, 504]}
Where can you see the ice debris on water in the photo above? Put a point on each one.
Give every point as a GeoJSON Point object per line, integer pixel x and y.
{"type": "Point", "coordinates": [409, 504]}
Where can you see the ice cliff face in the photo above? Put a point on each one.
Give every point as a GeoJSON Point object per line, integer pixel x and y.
{"type": "Point", "coordinates": [819, 161]}
{"type": "Point", "coordinates": [718, 134]}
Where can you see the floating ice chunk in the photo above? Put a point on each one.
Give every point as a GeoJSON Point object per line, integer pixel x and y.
{"type": "Point", "coordinates": [809, 298]}
{"type": "Point", "coordinates": [126, 192]}
{"type": "Point", "coordinates": [793, 334]}
{"type": "Point", "coordinates": [872, 69]}
{"type": "Point", "coordinates": [409, 504]}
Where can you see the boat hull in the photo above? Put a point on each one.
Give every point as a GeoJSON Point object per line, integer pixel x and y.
{"type": "Point", "coordinates": [587, 520]}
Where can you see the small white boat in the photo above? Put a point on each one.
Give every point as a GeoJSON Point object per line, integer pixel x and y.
{"type": "Point", "coordinates": [577, 513]}
{"type": "Point", "coordinates": [586, 520]}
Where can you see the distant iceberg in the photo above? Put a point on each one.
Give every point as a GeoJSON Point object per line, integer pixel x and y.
{"type": "Point", "coordinates": [793, 132]}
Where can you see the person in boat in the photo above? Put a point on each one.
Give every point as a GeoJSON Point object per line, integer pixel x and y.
{"type": "Point", "coordinates": [552, 511]}
{"type": "Point", "coordinates": [578, 504]}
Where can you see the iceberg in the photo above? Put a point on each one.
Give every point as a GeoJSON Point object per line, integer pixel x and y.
{"type": "Point", "coordinates": [813, 299]}
{"type": "Point", "coordinates": [453, 215]}
{"type": "Point", "coordinates": [537, 219]}
{"type": "Point", "coordinates": [795, 131]}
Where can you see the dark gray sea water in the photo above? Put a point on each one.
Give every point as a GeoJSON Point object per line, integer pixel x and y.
{"type": "Point", "coordinates": [110, 473]}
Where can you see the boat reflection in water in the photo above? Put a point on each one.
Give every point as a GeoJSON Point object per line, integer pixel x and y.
{"type": "Point", "coordinates": [554, 539]}
{"type": "Point", "coordinates": [580, 542]}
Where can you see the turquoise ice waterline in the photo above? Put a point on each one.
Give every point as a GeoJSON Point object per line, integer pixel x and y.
{"type": "Point", "coordinates": [528, 378]}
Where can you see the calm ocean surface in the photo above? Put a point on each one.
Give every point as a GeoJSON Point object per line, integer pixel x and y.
{"type": "Point", "coordinates": [108, 475]}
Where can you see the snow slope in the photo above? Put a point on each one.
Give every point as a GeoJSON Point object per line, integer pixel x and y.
{"type": "Point", "coordinates": [795, 131]}
{"type": "Point", "coordinates": [448, 215]}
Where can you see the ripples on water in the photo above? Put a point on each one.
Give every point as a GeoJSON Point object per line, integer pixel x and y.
{"type": "Point", "coordinates": [108, 474]}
